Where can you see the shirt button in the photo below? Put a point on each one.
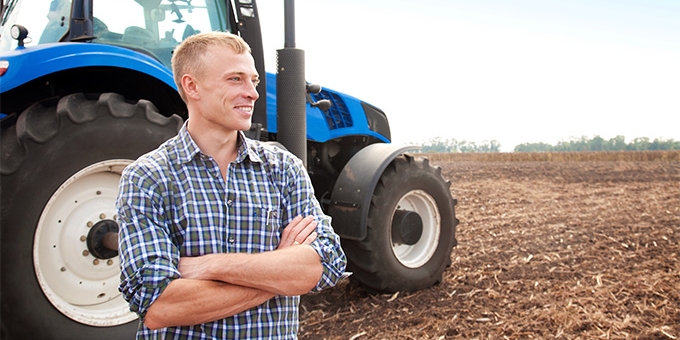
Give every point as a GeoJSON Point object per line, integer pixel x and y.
{"type": "Point", "coordinates": [230, 202]}
{"type": "Point", "coordinates": [232, 239]}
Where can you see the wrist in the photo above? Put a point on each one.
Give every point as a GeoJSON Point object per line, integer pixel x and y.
{"type": "Point", "coordinates": [211, 267]}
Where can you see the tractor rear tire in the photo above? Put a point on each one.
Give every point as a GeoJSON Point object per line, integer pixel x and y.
{"type": "Point", "coordinates": [410, 230]}
{"type": "Point", "coordinates": [61, 163]}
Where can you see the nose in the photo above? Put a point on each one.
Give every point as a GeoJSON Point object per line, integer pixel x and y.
{"type": "Point", "coordinates": [251, 91]}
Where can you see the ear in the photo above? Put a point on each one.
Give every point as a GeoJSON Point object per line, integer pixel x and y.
{"type": "Point", "coordinates": [190, 86]}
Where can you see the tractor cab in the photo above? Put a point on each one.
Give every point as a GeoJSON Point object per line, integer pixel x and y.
{"type": "Point", "coordinates": [153, 27]}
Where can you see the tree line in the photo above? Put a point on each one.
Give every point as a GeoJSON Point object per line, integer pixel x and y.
{"type": "Point", "coordinates": [439, 144]}
{"type": "Point", "coordinates": [597, 143]}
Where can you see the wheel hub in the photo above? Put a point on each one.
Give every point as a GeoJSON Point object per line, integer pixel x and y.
{"type": "Point", "coordinates": [102, 240]}
{"type": "Point", "coordinates": [416, 223]}
{"type": "Point", "coordinates": [407, 227]}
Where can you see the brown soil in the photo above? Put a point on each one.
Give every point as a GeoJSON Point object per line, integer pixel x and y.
{"type": "Point", "coordinates": [547, 250]}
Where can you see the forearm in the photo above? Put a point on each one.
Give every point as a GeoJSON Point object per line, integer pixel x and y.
{"type": "Point", "coordinates": [187, 302]}
{"type": "Point", "coordinates": [289, 271]}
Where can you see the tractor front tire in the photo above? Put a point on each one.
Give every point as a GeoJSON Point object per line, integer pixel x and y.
{"type": "Point", "coordinates": [61, 163]}
{"type": "Point", "coordinates": [410, 230]}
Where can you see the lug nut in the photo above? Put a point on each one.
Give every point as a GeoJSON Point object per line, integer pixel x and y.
{"type": "Point", "coordinates": [83, 238]}
{"type": "Point", "coordinates": [89, 224]}
{"type": "Point", "coordinates": [95, 262]}
{"type": "Point", "coordinates": [86, 253]}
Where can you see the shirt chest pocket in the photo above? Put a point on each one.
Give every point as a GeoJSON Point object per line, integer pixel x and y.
{"type": "Point", "coordinates": [263, 231]}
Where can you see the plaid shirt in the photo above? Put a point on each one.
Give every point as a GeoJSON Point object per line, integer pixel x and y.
{"type": "Point", "coordinates": [173, 202]}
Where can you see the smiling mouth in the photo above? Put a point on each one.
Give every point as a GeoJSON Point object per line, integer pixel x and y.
{"type": "Point", "coordinates": [248, 109]}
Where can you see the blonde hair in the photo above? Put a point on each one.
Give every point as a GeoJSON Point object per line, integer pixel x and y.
{"type": "Point", "coordinates": [187, 56]}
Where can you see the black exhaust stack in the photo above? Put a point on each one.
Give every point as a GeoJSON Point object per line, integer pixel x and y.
{"type": "Point", "coordinates": [291, 90]}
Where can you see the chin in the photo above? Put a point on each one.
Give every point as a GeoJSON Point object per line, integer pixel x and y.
{"type": "Point", "coordinates": [245, 126]}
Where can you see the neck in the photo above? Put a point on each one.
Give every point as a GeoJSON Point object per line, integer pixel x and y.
{"type": "Point", "coordinates": [221, 145]}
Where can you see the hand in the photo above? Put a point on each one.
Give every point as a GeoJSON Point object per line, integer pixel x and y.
{"type": "Point", "coordinates": [299, 231]}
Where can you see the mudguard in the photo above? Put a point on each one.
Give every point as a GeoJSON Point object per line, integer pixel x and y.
{"type": "Point", "coordinates": [353, 190]}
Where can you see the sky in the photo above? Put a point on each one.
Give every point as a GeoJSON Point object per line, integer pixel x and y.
{"type": "Point", "coordinates": [514, 71]}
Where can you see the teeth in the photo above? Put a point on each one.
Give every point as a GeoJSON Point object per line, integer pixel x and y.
{"type": "Point", "coordinates": [245, 108]}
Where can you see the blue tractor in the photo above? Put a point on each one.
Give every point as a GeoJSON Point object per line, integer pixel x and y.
{"type": "Point", "coordinates": [86, 87]}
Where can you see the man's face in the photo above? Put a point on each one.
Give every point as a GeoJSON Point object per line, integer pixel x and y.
{"type": "Point", "coordinates": [226, 89]}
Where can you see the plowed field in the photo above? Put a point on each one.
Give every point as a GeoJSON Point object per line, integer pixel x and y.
{"type": "Point", "coordinates": [547, 250]}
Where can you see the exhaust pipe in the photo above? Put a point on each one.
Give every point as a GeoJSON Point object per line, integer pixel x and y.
{"type": "Point", "coordinates": [291, 115]}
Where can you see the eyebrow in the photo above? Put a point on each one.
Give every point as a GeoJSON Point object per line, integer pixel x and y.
{"type": "Point", "coordinates": [242, 74]}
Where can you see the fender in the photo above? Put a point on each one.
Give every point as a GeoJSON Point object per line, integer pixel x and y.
{"type": "Point", "coordinates": [33, 62]}
{"type": "Point", "coordinates": [353, 190]}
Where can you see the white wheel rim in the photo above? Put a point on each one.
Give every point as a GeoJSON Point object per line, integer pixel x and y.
{"type": "Point", "coordinates": [80, 286]}
{"type": "Point", "coordinates": [418, 254]}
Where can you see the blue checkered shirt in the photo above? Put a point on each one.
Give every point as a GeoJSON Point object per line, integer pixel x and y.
{"type": "Point", "coordinates": [173, 202]}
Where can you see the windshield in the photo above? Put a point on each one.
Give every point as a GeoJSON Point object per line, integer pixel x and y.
{"type": "Point", "coordinates": [46, 21]}
{"type": "Point", "coordinates": [154, 27]}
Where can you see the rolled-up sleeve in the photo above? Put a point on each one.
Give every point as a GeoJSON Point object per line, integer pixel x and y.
{"type": "Point", "coordinates": [302, 201]}
{"type": "Point", "coordinates": [148, 258]}
{"type": "Point", "coordinates": [327, 245]}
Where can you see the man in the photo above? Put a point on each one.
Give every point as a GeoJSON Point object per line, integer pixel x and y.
{"type": "Point", "coordinates": [213, 244]}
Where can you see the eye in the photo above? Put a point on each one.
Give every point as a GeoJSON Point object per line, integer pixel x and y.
{"type": "Point", "coordinates": [256, 82]}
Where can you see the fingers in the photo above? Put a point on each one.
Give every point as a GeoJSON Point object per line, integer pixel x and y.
{"type": "Point", "coordinates": [308, 232]}
{"type": "Point", "coordinates": [299, 231]}
{"type": "Point", "coordinates": [310, 238]}
{"type": "Point", "coordinates": [289, 232]}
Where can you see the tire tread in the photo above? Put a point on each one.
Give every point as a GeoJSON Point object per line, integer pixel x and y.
{"type": "Point", "coordinates": [33, 125]}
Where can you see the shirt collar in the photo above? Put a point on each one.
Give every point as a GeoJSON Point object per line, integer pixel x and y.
{"type": "Point", "coordinates": [187, 148]}
{"type": "Point", "coordinates": [247, 148]}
